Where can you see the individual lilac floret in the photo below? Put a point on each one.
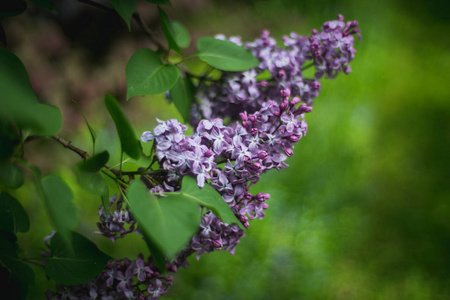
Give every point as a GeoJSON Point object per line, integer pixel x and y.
{"type": "Point", "coordinates": [329, 52]}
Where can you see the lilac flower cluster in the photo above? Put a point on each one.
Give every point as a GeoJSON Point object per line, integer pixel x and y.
{"type": "Point", "coordinates": [121, 279]}
{"type": "Point", "coordinates": [228, 157]}
{"type": "Point", "coordinates": [231, 159]}
{"type": "Point", "coordinates": [116, 224]}
{"type": "Point", "coordinates": [329, 52]}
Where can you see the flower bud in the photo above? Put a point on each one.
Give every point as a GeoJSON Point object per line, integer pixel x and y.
{"type": "Point", "coordinates": [288, 151]}
{"type": "Point", "coordinates": [243, 116]}
{"type": "Point", "coordinates": [295, 100]}
{"type": "Point", "coordinates": [285, 93]}
{"type": "Point", "coordinates": [262, 154]}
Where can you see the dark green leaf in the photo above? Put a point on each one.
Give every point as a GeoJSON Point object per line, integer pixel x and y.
{"type": "Point", "coordinates": [10, 8]}
{"type": "Point", "coordinates": [160, 2]}
{"type": "Point", "coordinates": [125, 8]}
{"type": "Point", "coordinates": [18, 101]}
{"type": "Point", "coordinates": [22, 271]}
{"type": "Point", "coordinates": [44, 3]}
{"type": "Point", "coordinates": [182, 95]}
{"type": "Point", "coordinates": [147, 75]}
{"type": "Point", "coordinates": [12, 215]}
{"type": "Point", "coordinates": [95, 163]}
{"type": "Point", "coordinates": [169, 33]}
{"type": "Point", "coordinates": [10, 176]}
{"type": "Point", "coordinates": [167, 223]}
{"type": "Point", "coordinates": [225, 55]}
{"type": "Point", "coordinates": [78, 266]}
{"type": "Point", "coordinates": [181, 34]}
{"type": "Point", "coordinates": [91, 130]}
{"type": "Point", "coordinates": [128, 140]}
{"type": "Point", "coordinates": [209, 198]}
{"type": "Point", "coordinates": [9, 139]}
{"type": "Point", "coordinates": [9, 258]}
{"type": "Point", "coordinates": [58, 199]}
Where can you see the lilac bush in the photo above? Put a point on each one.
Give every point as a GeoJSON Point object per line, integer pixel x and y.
{"type": "Point", "coordinates": [267, 107]}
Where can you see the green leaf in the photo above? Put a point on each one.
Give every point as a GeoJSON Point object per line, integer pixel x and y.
{"type": "Point", "coordinates": [10, 259]}
{"type": "Point", "coordinates": [94, 183]}
{"type": "Point", "coordinates": [181, 34]}
{"type": "Point", "coordinates": [78, 266]}
{"type": "Point", "coordinates": [125, 8]}
{"type": "Point", "coordinates": [12, 215]}
{"type": "Point", "coordinates": [9, 139]}
{"type": "Point", "coordinates": [128, 140]}
{"type": "Point", "coordinates": [168, 222]}
{"type": "Point", "coordinates": [89, 177]}
{"type": "Point", "coordinates": [160, 2]}
{"type": "Point", "coordinates": [22, 271]}
{"type": "Point", "coordinates": [225, 55]}
{"type": "Point", "coordinates": [95, 163]}
{"type": "Point", "coordinates": [210, 198]}
{"type": "Point", "coordinates": [58, 199]}
{"type": "Point", "coordinates": [91, 130]}
{"type": "Point", "coordinates": [18, 101]}
{"type": "Point", "coordinates": [10, 176]}
{"type": "Point", "coordinates": [169, 33]}
{"type": "Point", "coordinates": [147, 75]}
{"type": "Point", "coordinates": [182, 95]}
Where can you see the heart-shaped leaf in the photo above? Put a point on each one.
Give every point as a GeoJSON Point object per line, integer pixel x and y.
{"type": "Point", "coordinates": [225, 55]}
{"type": "Point", "coordinates": [77, 265]}
{"type": "Point", "coordinates": [147, 75]}
{"type": "Point", "coordinates": [167, 223]}
{"type": "Point", "coordinates": [128, 140]}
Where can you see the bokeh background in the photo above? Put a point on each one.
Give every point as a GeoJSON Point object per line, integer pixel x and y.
{"type": "Point", "coordinates": [363, 211]}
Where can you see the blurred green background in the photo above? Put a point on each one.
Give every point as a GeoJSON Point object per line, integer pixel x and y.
{"type": "Point", "coordinates": [363, 211]}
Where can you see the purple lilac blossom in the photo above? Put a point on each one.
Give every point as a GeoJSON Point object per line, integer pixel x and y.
{"type": "Point", "coordinates": [329, 51]}
{"type": "Point", "coordinates": [121, 279]}
{"type": "Point", "coordinates": [230, 159]}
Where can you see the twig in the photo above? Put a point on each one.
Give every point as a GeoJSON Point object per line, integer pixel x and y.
{"type": "Point", "coordinates": [68, 144]}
